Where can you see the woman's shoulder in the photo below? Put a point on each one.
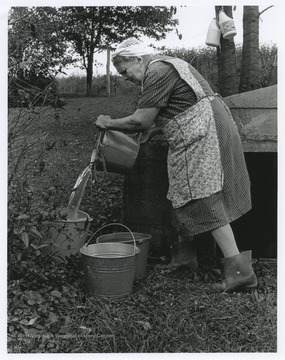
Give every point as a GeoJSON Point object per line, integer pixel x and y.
{"type": "Point", "coordinates": [159, 64]}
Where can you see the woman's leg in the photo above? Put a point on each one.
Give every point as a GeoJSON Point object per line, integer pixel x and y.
{"type": "Point", "coordinates": [239, 274]}
{"type": "Point", "coordinates": [225, 238]}
{"type": "Point", "coordinates": [183, 253]}
{"type": "Point", "coordinates": [186, 253]}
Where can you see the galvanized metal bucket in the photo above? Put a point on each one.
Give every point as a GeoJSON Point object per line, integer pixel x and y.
{"type": "Point", "coordinates": [109, 268]}
{"type": "Point", "coordinates": [69, 235]}
{"type": "Point", "coordinates": [142, 242]}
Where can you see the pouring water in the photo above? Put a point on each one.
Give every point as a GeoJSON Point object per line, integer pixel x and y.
{"type": "Point", "coordinates": [81, 182]}
{"type": "Point", "coordinates": [77, 193]}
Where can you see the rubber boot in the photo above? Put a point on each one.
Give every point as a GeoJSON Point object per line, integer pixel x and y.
{"type": "Point", "coordinates": [239, 274]}
{"type": "Point", "coordinates": [183, 254]}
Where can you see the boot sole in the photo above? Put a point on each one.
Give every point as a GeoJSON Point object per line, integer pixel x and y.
{"type": "Point", "coordinates": [246, 287]}
{"type": "Point", "coordinates": [183, 264]}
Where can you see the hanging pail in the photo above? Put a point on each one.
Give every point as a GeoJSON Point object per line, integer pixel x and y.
{"type": "Point", "coordinates": [119, 151]}
{"type": "Point", "coordinates": [109, 268]}
{"type": "Point", "coordinates": [68, 236]}
{"type": "Point", "coordinates": [142, 242]}
{"type": "Point", "coordinates": [214, 34]}
{"type": "Point", "coordinates": [227, 26]}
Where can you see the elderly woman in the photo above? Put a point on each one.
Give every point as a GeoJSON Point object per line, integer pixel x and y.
{"type": "Point", "coordinates": [209, 186]}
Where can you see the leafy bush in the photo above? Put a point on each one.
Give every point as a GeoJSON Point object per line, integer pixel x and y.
{"type": "Point", "coordinates": [28, 93]}
{"type": "Point", "coordinates": [31, 213]}
{"type": "Point", "coordinates": [29, 221]}
{"type": "Point", "coordinates": [43, 144]}
{"type": "Point", "coordinates": [37, 53]}
{"type": "Point", "coordinates": [268, 65]}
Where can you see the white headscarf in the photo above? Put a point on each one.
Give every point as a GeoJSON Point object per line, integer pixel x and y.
{"type": "Point", "coordinates": [132, 47]}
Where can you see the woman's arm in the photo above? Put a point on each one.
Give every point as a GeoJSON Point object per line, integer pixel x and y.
{"type": "Point", "coordinates": [140, 120]}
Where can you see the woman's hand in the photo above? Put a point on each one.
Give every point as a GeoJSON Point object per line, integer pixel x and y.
{"type": "Point", "coordinates": [147, 135]}
{"type": "Point", "coordinates": [103, 121]}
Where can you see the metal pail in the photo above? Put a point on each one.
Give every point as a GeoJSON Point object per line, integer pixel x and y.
{"type": "Point", "coordinates": [142, 242]}
{"type": "Point", "coordinates": [109, 268]}
{"type": "Point", "coordinates": [119, 151]}
{"type": "Point", "coordinates": [69, 235]}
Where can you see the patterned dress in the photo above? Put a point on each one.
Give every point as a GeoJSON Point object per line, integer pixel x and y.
{"type": "Point", "coordinates": [209, 184]}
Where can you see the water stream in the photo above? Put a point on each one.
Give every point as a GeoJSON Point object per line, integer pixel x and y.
{"type": "Point", "coordinates": [81, 182]}
{"type": "Point", "coordinates": [77, 193]}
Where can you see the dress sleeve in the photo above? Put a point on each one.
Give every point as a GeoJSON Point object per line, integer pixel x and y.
{"type": "Point", "coordinates": [158, 86]}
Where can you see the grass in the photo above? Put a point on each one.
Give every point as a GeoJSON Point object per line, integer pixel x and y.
{"type": "Point", "coordinates": [166, 313]}
{"type": "Point", "coordinates": [49, 310]}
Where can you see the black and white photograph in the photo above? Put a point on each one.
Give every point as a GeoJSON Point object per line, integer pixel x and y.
{"type": "Point", "coordinates": [141, 188]}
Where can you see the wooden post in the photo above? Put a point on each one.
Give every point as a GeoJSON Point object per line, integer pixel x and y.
{"type": "Point", "coordinates": [108, 72]}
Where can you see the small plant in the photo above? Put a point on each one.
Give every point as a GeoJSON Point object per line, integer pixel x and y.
{"type": "Point", "coordinates": [29, 221]}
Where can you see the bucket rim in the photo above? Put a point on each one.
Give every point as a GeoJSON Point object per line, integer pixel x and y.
{"type": "Point", "coordinates": [143, 237]}
{"type": "Point", "coordinates": [80, 220]}
{"type": "Point", "coordinates": [84, 249]}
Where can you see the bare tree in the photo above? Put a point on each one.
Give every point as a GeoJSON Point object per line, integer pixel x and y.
{"type": "Point", "coordinates": [250, 63]}
{"type": "Point", "coordinates": [251, 59]}
{"type": "Point", "coordinates": [226, 57]}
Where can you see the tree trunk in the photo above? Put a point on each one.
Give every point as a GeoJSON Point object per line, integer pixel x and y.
{"type": "Point", "coordinates": [108, 72]}
{"type": "Point", "coordinates": [250, 63]}
{"type": "Point", "coordinates": [226, 58]}
{"type": "Point", "coordinates": [89, 71]}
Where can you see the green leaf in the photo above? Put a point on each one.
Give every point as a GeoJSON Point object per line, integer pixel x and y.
{"type": "Point", "coordinates": [25, 238]}
{"type": "Point", "coordinates": [67, 320]}
{"type": "Point", "coordinates": [23, 217]}
{"type": "Point", "coordinates": [24, 322]}
{"type": "Point", "coordinates": [11, 328]}
{"type": "Point", "coordinates": [38, 298]}
{"type": "Point", "coordinates": [56, 294]}
{"type": "Point", "coordinates": [32, 321]}
{"type": "Point", "coordinates": [52, 317]}
{"type": "Point", "coordinates": [43, 246]}
{"type": "Point", "coordinates": [35, 232]}
{"type": "Point", "coordinates": [31, 302]}
{"type": "Point", "coordinates": [15, 319]}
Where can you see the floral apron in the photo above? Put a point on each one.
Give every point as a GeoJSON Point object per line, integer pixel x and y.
{"type": "Point", "coordinates": [194, 162]}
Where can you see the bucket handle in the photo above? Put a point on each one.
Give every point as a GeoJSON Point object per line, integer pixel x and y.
{"type": "Point", "coordinates": [112, 224]}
